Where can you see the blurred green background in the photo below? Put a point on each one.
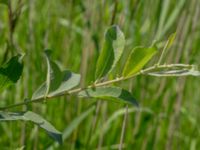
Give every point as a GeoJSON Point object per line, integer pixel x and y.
{"type": "Point", "coordinates": [74, 29]}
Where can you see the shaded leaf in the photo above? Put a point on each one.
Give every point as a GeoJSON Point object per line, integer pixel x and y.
{"type": "Point", "coordinates": [137, 59]}
{"type": "Point", "coordinates": [57, 81]}
{"type": "Point", "coordinates": [69, 81]}
{"type": "Point", "coordinates": [114, 94]}
{"type": "Point", "coordinates": [4, 2]}
{"type": "Point", "coordinates": [111, 52]}
{"type": "Point", "coordinates": [35, 118]}
{"type": "Point", "coordinates": [10, 72]}
{"type": "Point", "coordinates": [54, 74]}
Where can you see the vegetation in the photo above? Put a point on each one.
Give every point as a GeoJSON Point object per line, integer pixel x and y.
{"type": "Point", "coordinates": [131, 79]}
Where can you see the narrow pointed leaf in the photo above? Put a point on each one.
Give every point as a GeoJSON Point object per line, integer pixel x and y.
{"type": "Point", "coordinates": [171, 40]}
{"type": "Point", "coordinates": [139, 57]}
{"type": "Point", "coordinates": [178, 73]}
{"type": "Point", "coordinates": [114, 94]}
{"type": "Point", "coordinates": [111, 52]}
{"type": "Point", "coordinates": [10, 72]}
{"type": "Point", "coordinates": [36, 119]}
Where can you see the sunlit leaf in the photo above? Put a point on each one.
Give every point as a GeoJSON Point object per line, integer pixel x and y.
{"type": "Point", "coordinates": [35, 118]}
{"type": "Point", "coordinates": [137, 59]}
{"type": "Point", "coordinates": [114, 94]}
{"type": "Point", "coordinates": [10, 72]}
{"type": "Point", "coordinates": [167, 45]}
{"type": "Point", "coordinates": [111, 52]}
{"type": "Point", "coordinates": [171, 40]}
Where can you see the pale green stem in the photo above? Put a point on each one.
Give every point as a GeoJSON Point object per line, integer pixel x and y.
{"type": "Point", "coordinates": [144, 72]}
{"type": "Point", "coordinates": [163, 52]}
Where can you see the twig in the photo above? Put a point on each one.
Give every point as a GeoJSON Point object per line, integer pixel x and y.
{"type": "Point", "coordinates": [144, 72]}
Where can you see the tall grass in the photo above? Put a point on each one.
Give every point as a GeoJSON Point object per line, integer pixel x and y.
{"type": "Point", "coordinates": [74, 30]}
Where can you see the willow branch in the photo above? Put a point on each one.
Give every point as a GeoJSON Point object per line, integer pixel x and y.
{"type": "Point", "coordinates": [116, 80]}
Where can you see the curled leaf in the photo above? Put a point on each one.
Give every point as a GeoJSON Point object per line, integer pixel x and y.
{"type": "Point", "coordinates": [36, 119]}
{"type": "Point", "coordinates": [111, 52]}
{"type": "Point", "coordinates": [57, 81]}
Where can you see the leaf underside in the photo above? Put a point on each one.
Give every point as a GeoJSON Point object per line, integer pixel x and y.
{"type": "Point", "coordinates": [114, 94]}
{"type": "Point", "coordinates": [57, 81]}
{"type": "Point", "coordinates": [175, 73]}
{"type": "Point", "coordinates": [34, 118]}
{"type": "Point", "coordinates": [69, 80]}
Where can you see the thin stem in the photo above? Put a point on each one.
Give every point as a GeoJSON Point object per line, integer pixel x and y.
{"type": "Point", "coordinates": [163, 52]}
{"type": "Point", "coordinates": [125, 121]}
{"type": "Point", "coordinates": [144, 72]}
{"type": "Point", "coordinates": [123, 128]}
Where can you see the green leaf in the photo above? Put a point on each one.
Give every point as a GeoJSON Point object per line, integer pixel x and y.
{"type": "Point", "coordinates": [73, 125]}
{"type": "Point", "coordinates": [50, 73]}
{"type": "Point", "coordinates": [171, 40]}
{"type": "Point", "coordinates": [35, 118]}
{"type": "Point", "coordinates": [111, 52]}
{"type": "Point", "coordinates": [114, 94]}
{"type": "Point", "coordinates": [4, 2]}
{"type": "Point", "coordinates": [57, 81]}
{"type": "Point", "coordinates": [139, 57]}
{"type": "Point", "coordinates": [68, 81]}
{"type": "Point", "coordinates": [54, 74]}
{"type": "Point", "coordinates": [10, 72]}
{"type": "Point", "coordinates": [176, 73]}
